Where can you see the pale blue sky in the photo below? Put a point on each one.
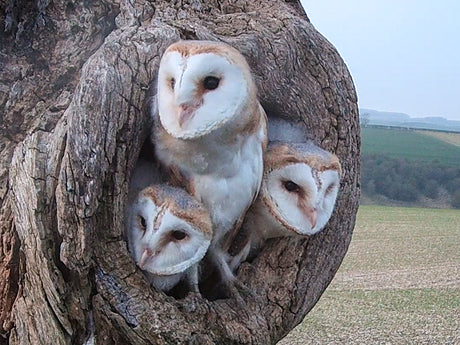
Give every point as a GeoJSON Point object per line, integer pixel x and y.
{"type": "Point", "coordinates": [404, 55]}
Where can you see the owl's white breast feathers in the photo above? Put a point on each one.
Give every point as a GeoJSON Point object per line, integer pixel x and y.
{"type": "Point", "coordinates": [164, 282]}
{"type": "Point", "coordinates": [229, 196]}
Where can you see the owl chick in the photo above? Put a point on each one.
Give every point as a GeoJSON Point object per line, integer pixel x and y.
{"type": "Point", "coordinates": [168, 234]}
{"type": "Point", "coordinates": [297, 196]}
{"type": "Point", "coordinates": [211, 131]}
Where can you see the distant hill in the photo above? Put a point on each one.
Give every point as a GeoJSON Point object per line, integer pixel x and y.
{"type": "Point", "coordinates": [385, 118]}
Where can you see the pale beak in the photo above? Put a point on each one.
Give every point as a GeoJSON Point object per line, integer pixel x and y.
{"type": "Point", "coordinates": [146, 255]}
{"type": "Point", "coordinates": [312, 215]}
{"type": "Point", "coordinates": [186, 112]}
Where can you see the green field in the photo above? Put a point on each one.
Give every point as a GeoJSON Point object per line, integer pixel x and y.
{"type": "Point", "coordinates": [399, 282]}
{"type": "Point", "coordinates": [451, 138]}
{"type": "Point", "coordinates": [411, 144]}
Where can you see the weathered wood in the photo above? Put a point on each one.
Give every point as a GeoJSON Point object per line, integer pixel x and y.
{"type": "Point", "coordinates": [73, 100]}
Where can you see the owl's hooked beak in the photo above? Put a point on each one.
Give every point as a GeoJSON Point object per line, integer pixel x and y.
{"type": "Point", "coordinates": [312, 215]}
{"type": "Point", "coordinates": [186, 112]}
{"type": "Point", "coordinates": [146, 256]}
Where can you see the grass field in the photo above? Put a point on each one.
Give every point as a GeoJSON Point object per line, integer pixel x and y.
{"type": "Point", "coordinates": [399, 283]}
{"type": "Point", "coordinates": [411, 144]}
{"type": "Point", "coordinates": [451, 138]}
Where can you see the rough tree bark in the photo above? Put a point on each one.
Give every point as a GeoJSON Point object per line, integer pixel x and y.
{"type": "Point", "coordinates": [74, 80]}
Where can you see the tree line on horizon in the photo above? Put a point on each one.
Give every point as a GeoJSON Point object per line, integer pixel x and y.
{"type": "Point", "coordinates": [408, 181]}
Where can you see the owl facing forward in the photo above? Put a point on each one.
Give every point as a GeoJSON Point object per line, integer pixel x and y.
{"type": "Point", "coordinates": [210, 131]}
{"type": "Point", "coordinates": [168, 234]}
{"type": "Point", "coordinates": [297, 196]}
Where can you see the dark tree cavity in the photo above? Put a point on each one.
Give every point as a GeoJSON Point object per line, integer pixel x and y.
{"type": "Point", "coordinates": [74, 85]}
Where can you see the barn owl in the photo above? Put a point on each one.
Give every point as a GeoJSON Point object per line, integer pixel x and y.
{"type": "Point", "coordinates": [297, 196]}
{"type": "Point", "coordinates": [210, 131]}
{"type": "Point", "coordinates": [168, 234]}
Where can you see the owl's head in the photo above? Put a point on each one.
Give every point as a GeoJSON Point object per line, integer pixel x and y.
{"type": "Point", "coordinates": [202, 86]}
{"type": "Point", "coordinates": [300, 186]}
{"type": "Point", "coordinates": [168, 230]}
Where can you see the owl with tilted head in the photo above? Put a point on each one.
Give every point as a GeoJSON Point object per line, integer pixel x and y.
{"type": "Point", "coordinates": [210, 131]}
{"type": "Point", "coordinates": [297, 197]}
{"type": "Point", "coordinates": [168, 234]}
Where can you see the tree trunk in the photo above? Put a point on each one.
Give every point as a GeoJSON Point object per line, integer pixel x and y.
{"type": "Point", "coordinates": [74, 85]}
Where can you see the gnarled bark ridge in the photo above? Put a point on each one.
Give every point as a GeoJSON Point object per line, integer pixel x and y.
{"type": "Point", "coordinates": [74, 84]}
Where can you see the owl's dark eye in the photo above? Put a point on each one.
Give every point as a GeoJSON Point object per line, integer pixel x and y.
{"type": "Point", "coordinates": [211, 83]}
{"type": "Point", "coordinates": [178, 235]}
{"type": "Point", "coordinates": [291, 186]}
{"type": "Point", "coordinates": [172, 83]}
{"type": "Point", "coordinates": [143, 223]}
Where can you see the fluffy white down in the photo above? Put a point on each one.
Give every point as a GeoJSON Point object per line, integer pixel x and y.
{"type": "Point", "coordinates": [164, 283]}
{"type": "Point", "coordinates": [286, 131]}
{"type": "Point", "coordinates": [216, 106]}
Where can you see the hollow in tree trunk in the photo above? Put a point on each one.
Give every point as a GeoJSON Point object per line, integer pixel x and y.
{"type": "Point", "coordinates": [74, 89]}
